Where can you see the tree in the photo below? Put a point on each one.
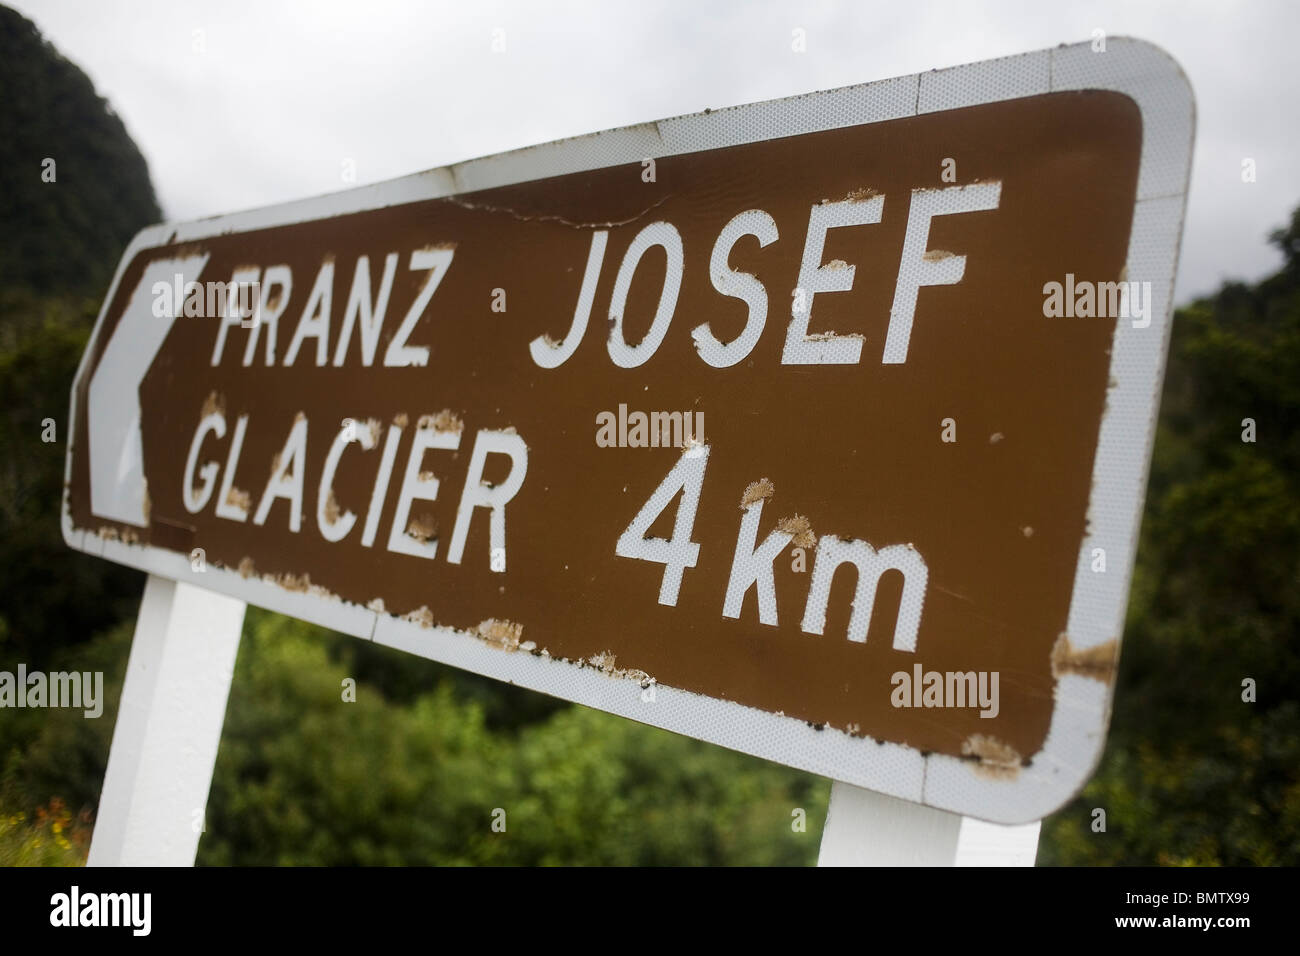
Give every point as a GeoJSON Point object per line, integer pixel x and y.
{"type": "Point", "coordinates": [63, 239]}
{"type": "Point", "coordinates": [1194, 773]}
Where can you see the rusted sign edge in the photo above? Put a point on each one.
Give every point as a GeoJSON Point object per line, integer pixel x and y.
{"type": "Point", "coordinates": [990, 782]}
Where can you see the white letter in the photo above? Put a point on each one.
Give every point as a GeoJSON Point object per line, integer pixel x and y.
{"type": "Point", "coordinates": [437, 262]}
{"type": "Point", "coordinates": [738, 285]}
{"type": "Point", "coordinates": [315, 320]}
{"type": "Point", "coordinates": [832, 552]}
{"type": "Point", "coordinates": [232, 316]}
{"type": "Point", "coordinates": [282, 484]}
{"type": "Point", "coordinates": [479, 494]}
{"type": "Point", "coordinates": [162, 301]}
{"type": "Point", "coordinates": [226, 508]}
{"type": "Point", "coordinates": [549, 354]}
{"type": "Point", "coordinates": [197, 501]}
{"type": "Point", "coordinates": [919, 267]}
{"type": "Point", "coordinates": [754, 566]}
{"type": "Point", "coordinates": [380, 489]}
{"type": "Point", "coordinates": [656, 234]}
{"type": "Point", "coordinates": [359, 305]}
{"type": "Point", "coordinates": [342, 524]}
{"type": "Point", "coordinates": [270, 311]}
{"type": "Point", "coordinates": [800, 347]}
{"type": "Point", "coordinates": [421, 484]}
{"type": "Point", "coordinates": [59, 912]}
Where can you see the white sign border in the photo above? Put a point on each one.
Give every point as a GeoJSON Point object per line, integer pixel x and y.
{"type": "Point", "coordinates": [1096, 617]}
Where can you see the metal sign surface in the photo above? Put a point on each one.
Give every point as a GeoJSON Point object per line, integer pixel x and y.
{"type": "Point", "coordinates": [816, 428]}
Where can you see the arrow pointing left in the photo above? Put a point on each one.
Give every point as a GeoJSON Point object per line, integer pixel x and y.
{"type": "Point", "coordinates": [118, 486]}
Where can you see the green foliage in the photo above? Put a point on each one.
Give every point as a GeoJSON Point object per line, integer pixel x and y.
{"type": "Point", "coordinates": [62, 240]}
{"type": "Point", "coordinates": [52, 597]}
{"type": "Point", "coordinates": [51, 836]}
{"type": "Point", "coordinates": [58, 752]}
{"type": "Point", "coordinates": [1192, 773]}
{"type": "Point", "coordinates": [404, 678]}
{"type": "Point", "coordinates": [304, 777]}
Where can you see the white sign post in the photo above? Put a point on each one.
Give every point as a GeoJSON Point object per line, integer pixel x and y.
{"type": "Point", "coordinates": [151, 810]}
{"type": "Point", "coordinates": [864, 828]}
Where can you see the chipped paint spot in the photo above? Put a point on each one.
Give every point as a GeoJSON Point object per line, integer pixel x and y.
{"type": "Point", "coordinates": [400, 420]}
{"type": "Point", "coordinates": [606, 663]}
{"type": "Point", "coordinates": [504, 634]}
{"type": "Point", "coordinates": [862, 194]}
{"type": "Point", "coordinates": [421, 616]}
{"type": "Point", "coordinates": [1097, 663]}
{"type": "Point", "coordinates": [937, 255]}
{"type": "Point", "coordinates": [214, 404]}
{"type": "Point", "coordinates": [444, 421]}
{"type": "Point", "coordinates": [756, 491]}
{"type": "Point", "coordinates": [801, 528]}
{"type": "Point", "coordinates": [332, 512]}
{"type": "Point", "coordinates": [1027, 531]}
{"type": "Point", "coordinates": [239, 498]}
{"type": "Point", "coordinates": [998, 760]}
{"type": "Point", "coordinates": [828, 336]}
{"type": "Point", "coordinates": [245, 568]}
{"type": "Point", "coordinates": [292, 582]}
{"type": "Point", "coordinates": [299, 583]}
{"type": "Point", "coordinates": [423, 529]}
{"type": "Point", "coordinates": [377, 605]}
{"type": "Point", "coordinates": [835, 265]}
{"type": "Point", "coordinates": [995, 438]}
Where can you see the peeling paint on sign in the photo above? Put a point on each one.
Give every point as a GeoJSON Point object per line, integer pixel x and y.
{"type": "Point", "coordinates": [432, 462]}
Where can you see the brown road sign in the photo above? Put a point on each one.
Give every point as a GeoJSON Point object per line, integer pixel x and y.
{"type": "Point", "coordinates": [815, 428]}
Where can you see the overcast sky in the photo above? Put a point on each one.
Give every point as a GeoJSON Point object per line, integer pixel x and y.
{"type": "Point", "coordinates": [245, 104]}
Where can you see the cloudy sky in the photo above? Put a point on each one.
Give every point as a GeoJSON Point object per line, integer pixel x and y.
{"type": "Point", "coordinates": [242, 104]}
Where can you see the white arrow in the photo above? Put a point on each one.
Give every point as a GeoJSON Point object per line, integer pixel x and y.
{"type": "Point", "coordinates": [118, 487]}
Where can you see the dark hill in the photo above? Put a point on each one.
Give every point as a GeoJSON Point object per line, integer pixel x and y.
{"type": "Point", "coordinates": [65, 235]}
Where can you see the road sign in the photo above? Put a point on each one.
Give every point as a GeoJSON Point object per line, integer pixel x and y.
{"type": "Point", "coordinates": [816, 428]}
